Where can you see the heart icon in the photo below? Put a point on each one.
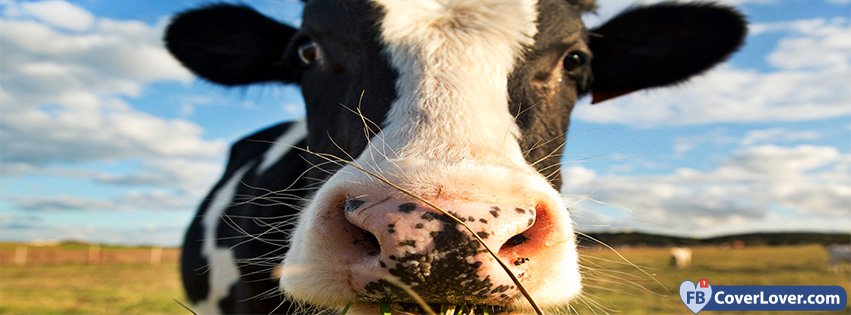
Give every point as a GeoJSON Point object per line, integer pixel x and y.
{"type": "Point", "coordinates": [695, 298]}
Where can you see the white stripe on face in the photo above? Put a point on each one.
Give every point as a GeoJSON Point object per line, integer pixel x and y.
{"type": "Point", "coordinates": [453, 58]}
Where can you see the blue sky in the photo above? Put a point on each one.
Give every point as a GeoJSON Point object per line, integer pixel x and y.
{"type": "Point", "coordinates": [103, 137]}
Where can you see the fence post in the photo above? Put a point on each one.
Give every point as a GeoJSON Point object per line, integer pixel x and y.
{"type": "Point", "coordinates": [94, 254]}
{"type": "Point", "coordinates": [156, 255]}
{"type": "Point", "coordinates": [20, 255]}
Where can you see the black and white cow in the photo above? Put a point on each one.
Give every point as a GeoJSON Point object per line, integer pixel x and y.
{"type": "Point", "coordinates": [460, 104]}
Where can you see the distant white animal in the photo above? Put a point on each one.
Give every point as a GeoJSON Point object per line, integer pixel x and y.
{"type": "Point", "coordinates": [681, 257]}
{"type": "Point", "coordinates": [838, 254]}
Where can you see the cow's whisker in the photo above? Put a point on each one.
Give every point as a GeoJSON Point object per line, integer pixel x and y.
{"type": "Point", "coordinates": [626, 260]}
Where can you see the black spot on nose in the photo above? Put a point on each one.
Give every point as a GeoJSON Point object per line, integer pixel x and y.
{"type": "Point", "coordinates": [407, 207]}
{"type": "Point", "coordinates": [495, 211]}
{"type": "Point", "coordinates": [427, 216]}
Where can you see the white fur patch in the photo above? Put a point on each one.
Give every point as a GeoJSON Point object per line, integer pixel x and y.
{"type": "Point", "coordinates": [223, 274]}
{"type": "Point", "coordinates": [453, 58]}
{"type": "Point", "coordinates": [223, 271]}
{"type": "Point", "coordinates": [283, 145]}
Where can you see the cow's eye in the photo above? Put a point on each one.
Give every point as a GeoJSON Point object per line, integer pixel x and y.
{"type": "Point", "coordinates": [309, 53]}
{"type": "Point", "coordinates": [574, 60]}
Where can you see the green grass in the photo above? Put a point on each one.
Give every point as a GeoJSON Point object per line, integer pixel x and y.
{"type": "Point", "coordinates": [624, 289]}
{"type": "Point", "coordinates": [619, 287]}
{"type": "Point", "coordinates": [90, 289]}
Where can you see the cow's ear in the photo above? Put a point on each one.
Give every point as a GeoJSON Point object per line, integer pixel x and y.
{"type": "Point", "coordinates": [662, 44]}
{"type": "Point", "coordinates": [231, 45]}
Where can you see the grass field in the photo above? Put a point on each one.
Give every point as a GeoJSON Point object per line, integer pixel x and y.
{"type": "Point", "coordinates": [90, 289]}
{"type": "Point", "coordinates": [620, 287]}
{"type": "Point", "coordinates": [612, 285]}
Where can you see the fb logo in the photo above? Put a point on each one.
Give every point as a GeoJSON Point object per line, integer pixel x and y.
{"type": "Point", "coordinates": [695, 297]}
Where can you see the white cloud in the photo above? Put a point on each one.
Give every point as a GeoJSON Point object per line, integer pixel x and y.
{"type": "Point", "coordinates": [45, 232]}
{"type": "Point", "coordinates": [61, 203]}
{"type": "Point", "coordinates": [19, 221]}
{"type": "Point", "coordinates": [777, 135]}
{"type": "Point", "coordinates": [98, 129]}
{"type": "Point", "coordinates": [133, 200]}
{"type": "Point", "coordinates": [716, 136]}
{"type": "Point", "coordinates": [59, 14]}
{"type": "Point", "coordinates": [186, 179]}
{"type": "Point", "coordinates": [294, 109]}
{"type": "Point", "coordinates": [192, 178]}
{"type": "Point", "coordinates": [116, 58]}
{"type": "Point", "coordinates": [64, 93]}
{"type": "Point", "coordinates": [577, 176]}
{"type": "Point", "coordinates": [606, 9]}
{"type": "Point", "coordinates": [67, 90]}
{"type": "Point", "coordinates": [813, 71]}
{"type": "Point", "coordinates": [769, 161]}
{"type": "Point", "coordinates": [753, 187]}
{"type": "Point", "coordinates": [728, 94]}
{"type": "Point", "coordinates": [824, 44]}
{"type": "Point", "coordinates": [189, 103]}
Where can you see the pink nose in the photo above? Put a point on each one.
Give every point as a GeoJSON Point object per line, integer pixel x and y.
{"type": "Point", "coordinates": [437, 256]}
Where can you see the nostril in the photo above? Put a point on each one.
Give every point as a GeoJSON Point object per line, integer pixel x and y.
{"type": "Point", "coordinates": [364, 240]}
{"type": "Point", "coordinates": [352, 203]}
{"type": "Point", "coordinates": [514, 241]}
{"type": "Point", "coordinates": [536, 233]}
{"type": "Point", "coordinates": [368, 242]}
{"type": "Point", "coordinates": [372, 242]}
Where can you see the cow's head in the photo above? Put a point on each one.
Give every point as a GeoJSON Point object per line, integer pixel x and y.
{"type": "Point", "coordinates": [461, 105]}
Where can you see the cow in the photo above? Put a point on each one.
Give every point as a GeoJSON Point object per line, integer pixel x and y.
{"type": "Point", "coordinates": [680, 257]}
{"type": "Point", "coordinates": [433, 132]}
{"type": "Point", "coordinates": [838, 254]}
